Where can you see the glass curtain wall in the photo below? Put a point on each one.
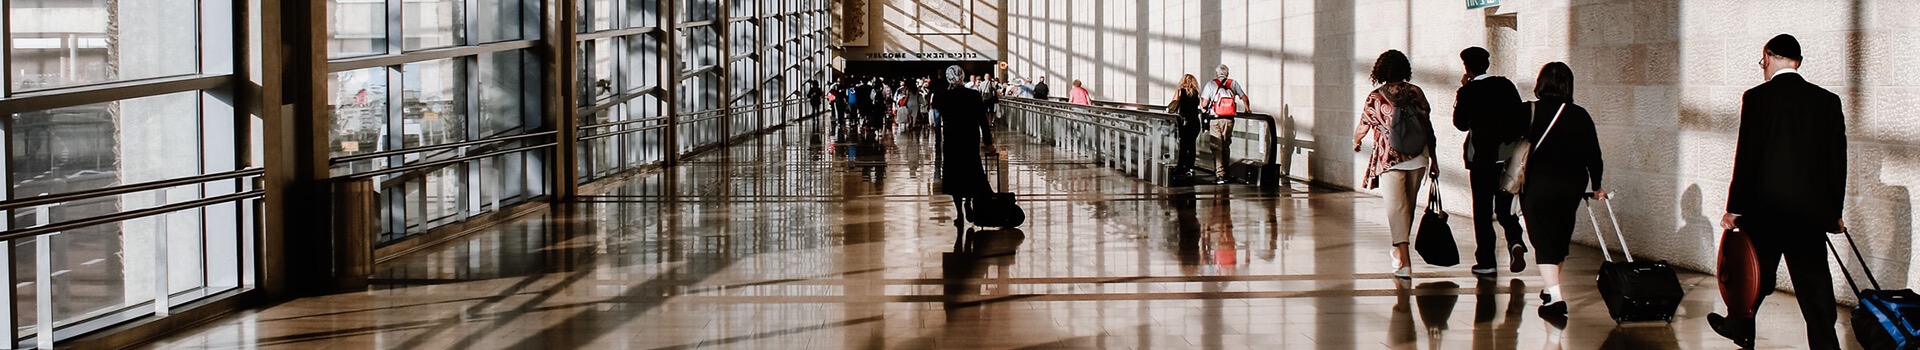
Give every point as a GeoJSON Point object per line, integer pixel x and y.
{"type": "Point", "coordinates": [130, 174]}
{"type": "Point", "coordinates": [134, 171]}
{"type": "Point", "coordinates": [620, 116]}
{"type": "Point", "coordinates": [699, 62]}
{"type": "Point", "coordinates": [431, 100]}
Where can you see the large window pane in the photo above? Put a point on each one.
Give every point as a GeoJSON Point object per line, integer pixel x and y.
{"type": "Point", "coordinates": [64, 43]}
{"type": "Point", "coordinates": [643, 57]}
{"type": "Point", "coordinates": [500, 20]}
{"type": "Point", "coordinates": [99, 145]}
{"type": "Point", "coordinates": [357, 105]}
{"type": "Point", "coordinates": [102, 270]}
{"type": "Point", "coordinates": [643, 13]}
{"type": "Point", "coordinates": [356, 27]}
{"type": "Point", "coordinates": [433, 23]}
{"type": "Point", "coordinates": [433, 102]}
{"type": "Point", "coordinates": [501, 86]}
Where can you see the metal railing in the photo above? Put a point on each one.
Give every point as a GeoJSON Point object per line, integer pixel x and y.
{"type": "Point", "coordinates": [1131, 141]}
{"type": "Point", "coordinates": [37, 225]}
{"type": "Point", "coordinates": [1141, 139]}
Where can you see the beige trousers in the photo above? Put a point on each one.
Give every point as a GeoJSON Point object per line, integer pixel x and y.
{"type": "Point", "coordinates": [1399, 189]}
{"type": "Point", "coordinates": [1222, 131]}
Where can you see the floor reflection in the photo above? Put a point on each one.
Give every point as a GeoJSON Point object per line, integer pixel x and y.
{"type": "Point", "coordinates": [819, 236]}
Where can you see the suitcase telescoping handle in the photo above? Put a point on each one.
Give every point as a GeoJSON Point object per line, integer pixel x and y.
{"type": "Point", "coordinates": [1617, 233]}
{"type": "Point", "coordinates": [1856, 255]}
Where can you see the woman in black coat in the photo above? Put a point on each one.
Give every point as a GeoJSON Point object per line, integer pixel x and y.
{"type": "Point", "coordinates": [1187, 103]}
{"type": "Point", "coordinates": [963, 112]}
{"type": "Point", "coordinates": [1565, 162]}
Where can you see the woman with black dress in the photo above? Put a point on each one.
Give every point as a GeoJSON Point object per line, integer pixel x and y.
{"type": "Point", "coordinates": [1187, 103]}
{"type": "Point", "coordinates": [1565, 162]}
{"type": "Point", "coordinates": [964, 113]}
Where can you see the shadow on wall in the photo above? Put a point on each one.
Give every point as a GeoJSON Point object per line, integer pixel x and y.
{"type": "Point", "coordinates": [1628, 77]}
{"type": "Point", "coordinates": [1880, 215]}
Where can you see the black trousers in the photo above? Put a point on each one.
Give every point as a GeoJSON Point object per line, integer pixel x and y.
{"type": "Point", "coordinates": [1490, 204]}
{"type": "Point", "coordinates": [1805, 252]}
{"type": "Point", "coordinates": [1189, 134]}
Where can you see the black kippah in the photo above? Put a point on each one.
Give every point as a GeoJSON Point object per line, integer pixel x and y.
{"type": "Point", "coordinates": [1784, 45]}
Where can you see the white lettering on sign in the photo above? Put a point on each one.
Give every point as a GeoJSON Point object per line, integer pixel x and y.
{"type": "Point", "coordinates": [925, 56]}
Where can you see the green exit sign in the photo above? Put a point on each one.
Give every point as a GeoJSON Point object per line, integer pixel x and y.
{"type": "Point", "coordinates": [1477, 4]}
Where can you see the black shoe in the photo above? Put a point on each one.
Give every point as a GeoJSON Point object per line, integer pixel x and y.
{"type": "Point", "coordinates": [1517, 256]}
{"type": "Point", "coordinates": [1483, 270]}
{"type": "Point", "coordinates": [1556, 311]}
{"type": "Point", "coordinates": [1741, 335]}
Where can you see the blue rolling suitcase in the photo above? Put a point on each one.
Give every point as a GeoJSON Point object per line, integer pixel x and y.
{"type": "Point", "coordinates": [1884, 319]}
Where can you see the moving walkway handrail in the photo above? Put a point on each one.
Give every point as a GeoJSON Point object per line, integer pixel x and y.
{"type": "Point", "coordinates": [1271, 144]}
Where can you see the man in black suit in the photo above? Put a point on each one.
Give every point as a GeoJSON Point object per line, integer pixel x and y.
{"type": "Point", "coordinates": [1488, 109]}
{"type": "Point", "coordinates": [1789, 186]}
{"type": "Point", "coordinates": [1040, 89]}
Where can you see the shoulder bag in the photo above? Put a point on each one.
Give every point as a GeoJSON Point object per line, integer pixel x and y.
{"type": "Point", "coordinates": [1515, 178]}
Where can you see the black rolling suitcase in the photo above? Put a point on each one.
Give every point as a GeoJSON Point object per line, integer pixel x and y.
{"type": "Point", "coordinates": [1634, 290]}
{"type": "Point", "coordinates": [998, 209]}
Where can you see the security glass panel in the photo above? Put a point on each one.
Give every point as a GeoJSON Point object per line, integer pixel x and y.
{"type": "Point", "coordinates": [502, 83]}
{"type": "Point", "coordinates": [433, 105]}
{"type": "Point", "coordinates": [433, 23]}
{"type": "Point", "coordinates": [356, 28]}
{"type": "Point", "coordinates": [59, 43]}
{"type": "Point", "coordinates": [500, 20]}
{"type": "Point", "coordinates": [357, 106]}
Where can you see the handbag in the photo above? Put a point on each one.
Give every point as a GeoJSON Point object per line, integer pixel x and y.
{"type": "Point", "coordinates": [1738, 270]}
{"type": "Point", "coordinates": [1514, 180]}
{"type": "Point", "coordinates": [1435, 241]}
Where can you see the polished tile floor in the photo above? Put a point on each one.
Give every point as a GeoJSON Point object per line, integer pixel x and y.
{"type": "Point", "coordinates": [815, 238]}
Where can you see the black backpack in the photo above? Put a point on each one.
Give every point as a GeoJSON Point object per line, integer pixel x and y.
{"type": "Point", "coordinates": [1409, 132]}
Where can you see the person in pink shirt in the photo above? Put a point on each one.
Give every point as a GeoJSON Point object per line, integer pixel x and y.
{"type": "Point", "coordinates": [1079, 95]}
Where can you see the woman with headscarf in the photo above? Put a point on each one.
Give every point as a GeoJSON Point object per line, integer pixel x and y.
{"type": "Point", "coordinates": [963, 111]}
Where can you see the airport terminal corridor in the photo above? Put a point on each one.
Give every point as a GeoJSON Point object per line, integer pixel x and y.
{"type": "Point", "coordinates": [821, 237]}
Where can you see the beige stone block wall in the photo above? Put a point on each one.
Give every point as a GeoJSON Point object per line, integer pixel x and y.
{"type": "Point", "coordinates": [1662, 78]}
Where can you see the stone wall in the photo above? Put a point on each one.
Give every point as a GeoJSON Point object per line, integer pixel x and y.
{"type": "Point", "coordinates": [1662, 78]}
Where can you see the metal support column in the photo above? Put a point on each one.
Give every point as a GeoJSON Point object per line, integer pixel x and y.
{"type": "Point", "coordinates": [723, 27]}
{"type": "Point", "coordinates": [670, 82]}
{"type": "Point", "coordinates": [558, 68]}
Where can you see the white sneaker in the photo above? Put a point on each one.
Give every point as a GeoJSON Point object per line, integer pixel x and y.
{"type": "Point", "coordinates": [1483, 271]}
{"type": "Point", "coordinates": [1399, 270]}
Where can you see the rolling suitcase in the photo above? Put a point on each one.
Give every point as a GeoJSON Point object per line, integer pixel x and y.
{"type": "Point", "coordinates": [1884, 319]}
{"type": "Point", "coordinates": [1634, 290]}
{"type": "Point", "coordinates": [998, 209]}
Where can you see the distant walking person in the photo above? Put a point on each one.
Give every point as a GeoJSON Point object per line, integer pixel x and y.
{"type": "Point", "coordinates": [1397, 175]}
{"type": "Point", "coordinates": [1564, 164]}
{"type": "Point", "coordinates": [963, 174]}
{"type": "Point", "coordinates": [813, 96]}
{"type": "Point", "coordinates": [1789, 186]}
{"type": "Point", "coordinates": [1186, 103]}
{"type": "Point", "coordinates": [1224, 99]}
{"type": "Point", "coordinates": [1079, 95]}
{"type": "Point", "coordinates": [1488, 108]}
{"type": "Point", "coordinates": [1040, 89]}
